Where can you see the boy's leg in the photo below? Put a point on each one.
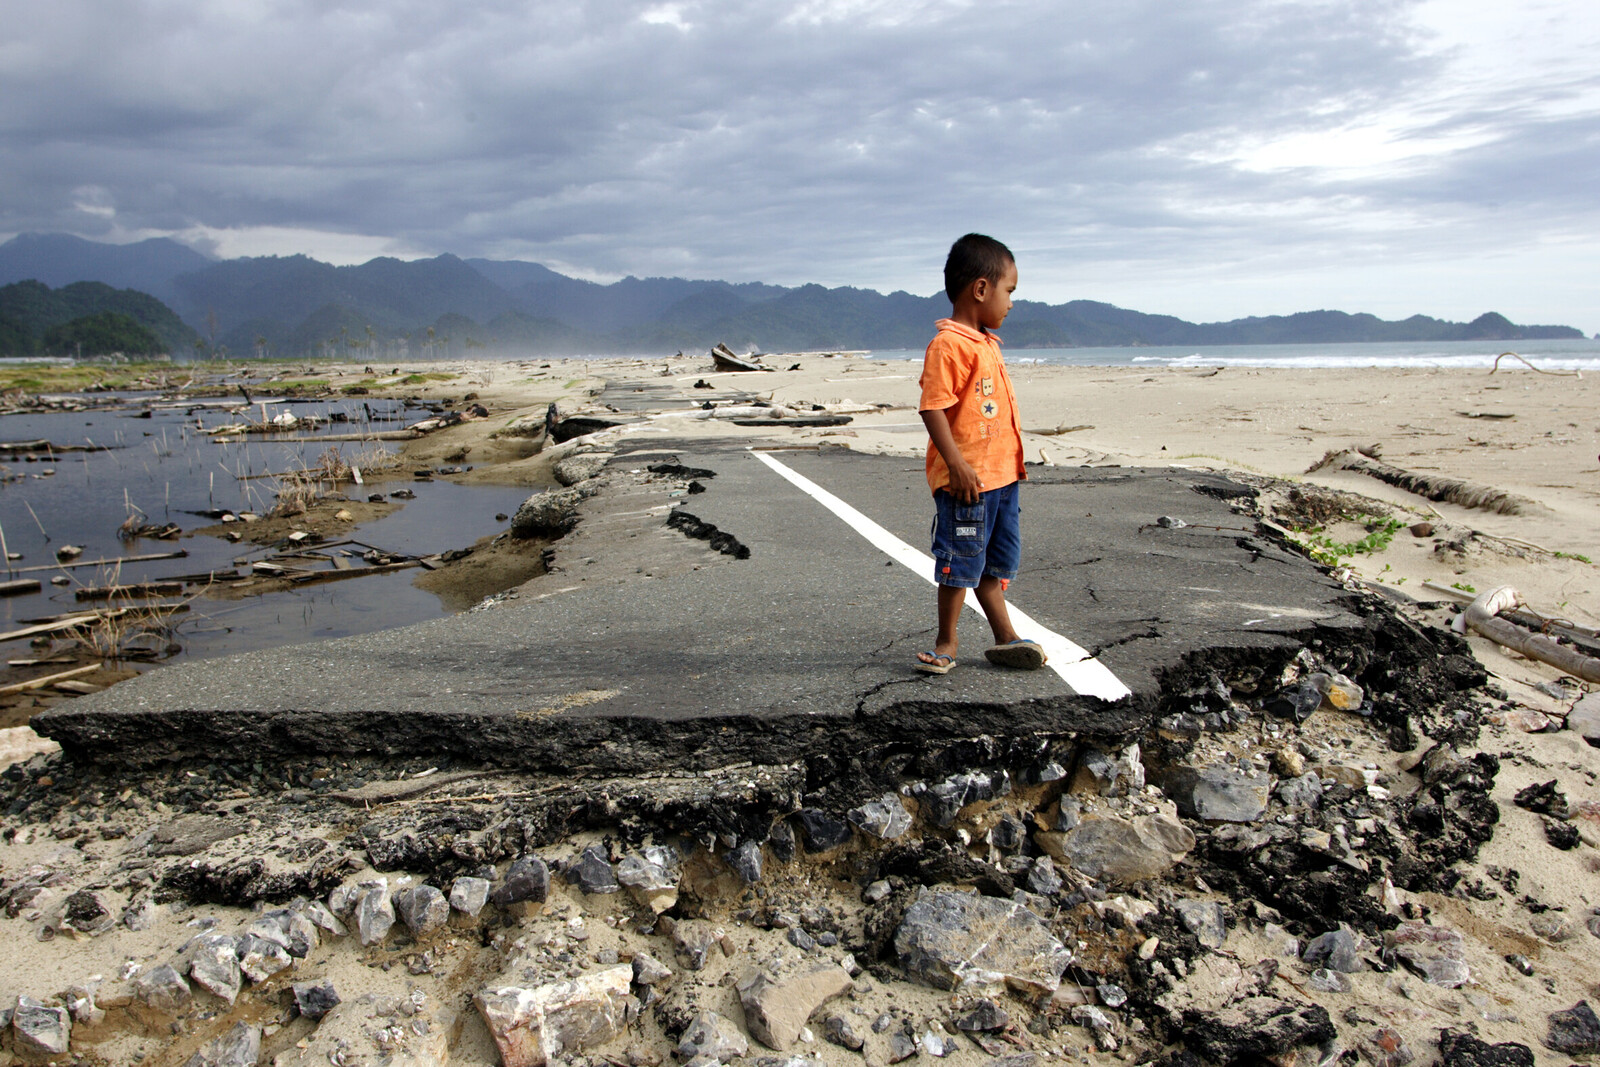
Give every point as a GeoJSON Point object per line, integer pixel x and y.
{"type": "Point", "coordinates": [991, 595]}
{"type": "Point", "coordinates": [951, 599]}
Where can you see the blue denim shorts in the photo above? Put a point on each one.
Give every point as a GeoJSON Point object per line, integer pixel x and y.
{"type": "Point", "coordinates": [973, 540]}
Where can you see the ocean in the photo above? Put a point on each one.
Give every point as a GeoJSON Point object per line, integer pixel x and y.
{"type": "Point", "coordinates": [1462, 355]}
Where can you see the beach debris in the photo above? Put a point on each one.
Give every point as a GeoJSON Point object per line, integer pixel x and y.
{"type": "Point", "coordinates": [67, 553]}
{"type": "Point", "coordinates": [1451, 490]}
{"type": "Point", "coordinates": [544, 1024]}
{"type": "Point", "coordinates": [580, 466]}
{"type": "Point", "coordinates": [725, 360]}
{"type": "Point", "coordinates": [1480, 617]}
{"type": "Point", "coordinates": [20, 586]}
{"type": "Point", "coordinates": [552, 513]}
{"type": "Point", "coordinates": [778, 1001]}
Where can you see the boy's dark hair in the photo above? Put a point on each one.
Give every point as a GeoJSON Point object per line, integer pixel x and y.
{"type": "Point", "coordinates": [972, 257]}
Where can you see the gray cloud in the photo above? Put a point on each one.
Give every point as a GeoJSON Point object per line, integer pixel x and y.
{"type": "Point", "coordinates": [842, 141]}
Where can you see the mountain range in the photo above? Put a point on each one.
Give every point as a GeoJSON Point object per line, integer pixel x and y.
{"type": "Point", "coordinates": [296, 305]}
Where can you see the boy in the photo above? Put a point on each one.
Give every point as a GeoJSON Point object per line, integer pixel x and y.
{"type": "Point", "coordinates": [974, 454]}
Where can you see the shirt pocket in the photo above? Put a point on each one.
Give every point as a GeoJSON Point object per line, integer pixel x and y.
{"type": "Point", "coordinates": [967, 533]}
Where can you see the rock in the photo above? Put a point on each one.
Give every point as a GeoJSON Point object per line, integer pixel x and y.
{"type": "Point", "coordinates": [837, 1028]}
{"type": "Point", "coordinates": [821, 831]}
{"type": "Point", "coordinates": [1041, 877]}
{"type": "Point", "coordinates": [86, 913]}
{"type": "Point", "coordinates": [532, 1027]}
{"type": "Point", "coordinates": [1069, 813]}
{"type": "Point", "coordinates": [984, 1014]}
{"type": "Point", "coordinates": [468, 895]}
{"type": "Point", "coordinates": [288, 928]}
{"type": "Point", "coordinates": [780, 839]}
{"type": "Point", "coordinates": [592, 872]}
{"type": "Point", "coordinates": [260, 959]}
{"type": "Point", "coordinates": [953, 940]}
{"type": "Point", "coordinates": [1302, 792]}
{"type": "Point", "coordinates": [902, 1046]}
{"type": "Point", "coordinates": [1553, 926]}
{"type": "Point", "coordinates": [1326, 981]}
{"type": "Point", "coordinates": [140, 915]}
{"type": "Point", "coordinates": [801, 940]}
{"type": "Point", "coordinates": [527, 879]}
{"type": "Point", "coordinates": [713, 1037]}
{"type": "Point", "coordinates": [1112, 996]}
{"type": "Point", "coordinates": [163, 988]}
{"type": "Point", "coordinates": [315, 999]}
{"type": "Point", "coordinates": [423, 909]}
{"type": "Point", "coordinates": [40, 1029]}
{"type": "Point", "coordinates": [778, 1003]}
{"type": "Point", "coordinates": [1460, 1049]}
{"type": "Point", "coordinates": [1008, 834]}
{"type": "Point", "coordinates": [1438, 953]}
{"type": "Point", "coordinates": [374, 912]}
{"type": "Point", "coordinates": [884, 818]}
{"type": "Point", "coordinates": [323, 919]}
{"type": "Point", "coordinates": [239, 1047]}
{"type": "Point", "coordinates": [650, 878]}
{"type": "Point", "coordinates": [189, 834]}
{"type": "Point", "coordinates": [647, 970]}
{"type": "Point", "coordinates": [1280, 941]}
{"type": "Point", "coordinates": [1574, 1031]}
{"type": "Point", "coordinates": [937, 1044]}
{"type": "Point", "coordinates": [876, 891]}
{"type": "Point", "coordinates": [1386, 1048]}
{"type": "Point", "coordinates": [1205, 920]}
{"type": "Point", "coordinates": [1288, 762]}
{"type": "Point", "coordinates": [694, 940]}
{"type": "Point", "coordinates": [1222, 792]}
{"type": "Point", "coordinates": [1584, 718]}
{"type": "Point", "coordinates": [342, 900]}
{"type": "Point", "coordinates": [1543, 798]}
{"type": "Point", "coordinates": [1255, 1028]}
{"type": "Point", "coordinates": [745, 860]}
{"type": "Point", "coordinates": [552, 513]}
{"type": "Point", "coordinates": [214, 965]}
{"type": "Point", "coordinates": [1120, 850]}
{"type": "Point", "coordinates": [1562, 835]}
{"type": "Point", "coordinates": [580, 466]}
{"type": "Point", "coordinates": [945, 800]}
{"type": "Point", "coordinates": [1337, 950]}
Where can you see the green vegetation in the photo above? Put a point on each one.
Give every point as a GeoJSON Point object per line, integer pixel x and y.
{"type": "Point", "coordinates": [1464, 587]}
{"type": "Point", "coordinates": [103, 334]}
{"type": "Point", "coordinates": [1574, 555]}
{"type": "Point", "coordinates": [67, 378]}
{"type": "Point", "coordinates": [1325, 549]}
{"type": "Point", "coordinates": [36, 320]}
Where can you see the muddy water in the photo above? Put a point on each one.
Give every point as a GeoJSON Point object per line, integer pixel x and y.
{"type": "Point", "coordinates": [163, 467]}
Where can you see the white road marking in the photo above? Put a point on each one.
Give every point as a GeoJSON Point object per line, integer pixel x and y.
{"type": "Point", "coordinates": [1077, 668]}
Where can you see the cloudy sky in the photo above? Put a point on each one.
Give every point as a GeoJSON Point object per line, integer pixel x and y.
{"type": "Point", "coordinates": [1205, 158]}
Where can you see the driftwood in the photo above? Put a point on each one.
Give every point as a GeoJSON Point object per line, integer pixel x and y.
{"type": "Point", "coordinates": [178, 554]}
{"type": "Point", "coordinates": [1448, 490]}
{"type": "Point", "coordinates": [19, 586]}
{"type": "Point", "coordinates": [1481, 614]}
{"type": "Point", "coordinates": [49, 679]}
{"type": "Point", "coordinates": [725, 359]}
{"type": "Point", "coordinates": [133, 590]}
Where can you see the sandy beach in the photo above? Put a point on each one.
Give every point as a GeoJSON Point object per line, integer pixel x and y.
{"type": "Point", "coordinates": [1530, 435]}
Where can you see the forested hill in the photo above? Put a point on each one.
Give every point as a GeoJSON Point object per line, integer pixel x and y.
{"type": "Point", "coordinates": [296, 305]}
{"type": "Point", "coordinates": [87, 319]}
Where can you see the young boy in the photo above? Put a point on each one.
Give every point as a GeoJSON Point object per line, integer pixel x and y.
{"type": "Point", "coordinates": [974, 454]}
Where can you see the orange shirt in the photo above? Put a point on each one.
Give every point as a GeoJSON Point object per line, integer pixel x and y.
{"type": "Point", "coordinates": [964, 375]}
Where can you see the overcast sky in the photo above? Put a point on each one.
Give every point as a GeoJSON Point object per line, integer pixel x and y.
{"type": "Point", "coordinates": [1205, 158]}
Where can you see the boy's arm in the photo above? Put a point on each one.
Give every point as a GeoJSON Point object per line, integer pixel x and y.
{"type": "Point", "coordinates": [964, 484]}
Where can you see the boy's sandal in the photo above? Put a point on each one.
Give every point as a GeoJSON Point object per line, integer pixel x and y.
{"type": "Point", "coordinates": [1022, 654]}
{"type": "Point", "coordinates": [941, 663]}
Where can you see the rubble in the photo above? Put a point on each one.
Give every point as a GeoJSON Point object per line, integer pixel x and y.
{"type": "Point", "coordinates": [777, 1002]}
{"type": "Point", "coordinates": [542, 1024]}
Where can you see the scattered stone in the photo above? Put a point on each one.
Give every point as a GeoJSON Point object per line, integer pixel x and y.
{"type": "Point", "coordinates": [945, 800]}
{"type": "Point", "coordinates": [163, 988]}
{"type": "Point", "coordinates": [87, 914]}
{"type": "Point", "coordinates": [40, 1029]}
{"type": "Point", "coordinates": [938, 1045]}
{"type": "Point", "coordinates": [1562, 835]}
{"type": "Point", "coordinates": [580, 466]}
{"type": "Point", "coordinates": [1337, 950]}
{"type": "Point", "coordinates": [1437, 953]}
{"type": "Point", "coordinates": [1222, 792]}
{"type": "Point", "coordinates": [527, 879]}
{"type": "Point", "coordinates": [1114, 849]}
{"type": "Point", "coordinates": [315, 999]}
{"type": "Point", "coordinates": [1304, 791]}
{"type": "Point", "coordinates": [713, 1037]}
{"type": "Point", "coordinates": [423, 909]}
{"type": "Point", "coordinates": [239, 1047]}
{"type": "Point", "coordinates": [468, 895]}
{"type": "Point", "coordinates": [323, 919]}
{"type": "Point", "coordinates": [1543, 798]}
{"type": "Point", "coordinates": [214, 965]}
{"type": "Point", "coordinates": [1255, 1028]}
{"type": "Point", "coordinates": [532, 1027]}
{"type": "Point", "coordinates": [953, 940]}
{"type": "Point", "coordinates": [745, 860]}
{"type": "Point", "coordinates": [1584, 718]}
{"type": "Point", "coordinates": [1553, 926]}
{"type": "Point", "coordinates": [1386, 1048]}
{"type": "Point", "coordinates": [876, 891]}
{"type": "Point", "coordinates": [821, 831]}
{"type": "Point", "coordinates": [694, 940]}
{"type": "Point", "coordinates": [649, 878]}
{"type": "Point", "coordinates": [552, 513]}
{"type": "Point", "coordinates": [801, 940]}
{"type": "Point", "coordinates": [1112, 996]}
{"type": "Point", "coordinates": [837, 1028]}
{"type": "Point", "coordinates": [374, 912]}
{"type": "Point", "coordinates": [647, 970]}
{"type": "Point", "coordinates": [1461, 1049]}
{"type": "Point", "coordinates": [260, 959]}
{"type": "Point", "coordinates": [140, 915]}
{"type": "Point", "coordinates": [1522, 963]}
{"type": "Point", "coordinates": [592, 873]}
{"type": "Point", "coordinates": [902, 1046]}
{"type": "Point", "coordinates": [1326, 981]}
{"type": "Point", "coordinates": [778, 1003]}
{"type": "Point", "coordinates": [1008, 834]}
{"type": "Point", "coordinates": [1041, 877]}
{"type": "Point", "coordinates": [884, 818]}
{"type": "Point", "coordinates": [1205, 920]}
{"type": "Point", "coordinates": [286, 927]}
{"type": "Point", "coordinates": [1280, 941]}
{"type": "Point", "coordinates": [984, 1014]}
{"type": "Point", "coordinates": [1104, 1027]}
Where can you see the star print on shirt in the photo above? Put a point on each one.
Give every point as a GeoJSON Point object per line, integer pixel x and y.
{"type": "Point", "coordinates": [990, 409]}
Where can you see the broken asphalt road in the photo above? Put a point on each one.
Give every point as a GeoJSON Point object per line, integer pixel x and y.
{"type": "Point", "coordinates": [758, 625]}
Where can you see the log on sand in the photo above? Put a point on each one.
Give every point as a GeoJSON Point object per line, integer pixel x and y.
{"type": "Point", "coordinates": [1447, 490]}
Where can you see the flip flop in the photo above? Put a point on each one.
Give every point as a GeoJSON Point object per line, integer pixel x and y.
{"type": "Point", "coordinates": [936, 667]}
{"type": "Point", "coordinates": [1023, 654]}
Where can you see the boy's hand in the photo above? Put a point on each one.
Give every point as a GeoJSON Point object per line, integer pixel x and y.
{"type": "Point", "coordinates": [964, 484]}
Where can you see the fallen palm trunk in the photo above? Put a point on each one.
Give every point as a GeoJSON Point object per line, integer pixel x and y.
{"type": "Point", "coordinates": [1480, 616]}
{"type": "Point", "coordinates": [1447, 490]}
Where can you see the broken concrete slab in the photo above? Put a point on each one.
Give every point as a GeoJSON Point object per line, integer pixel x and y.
{"type": "Point", "coordinates": [1120, 850]}
{"type": "Point", "coordinates": [975, 943]}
